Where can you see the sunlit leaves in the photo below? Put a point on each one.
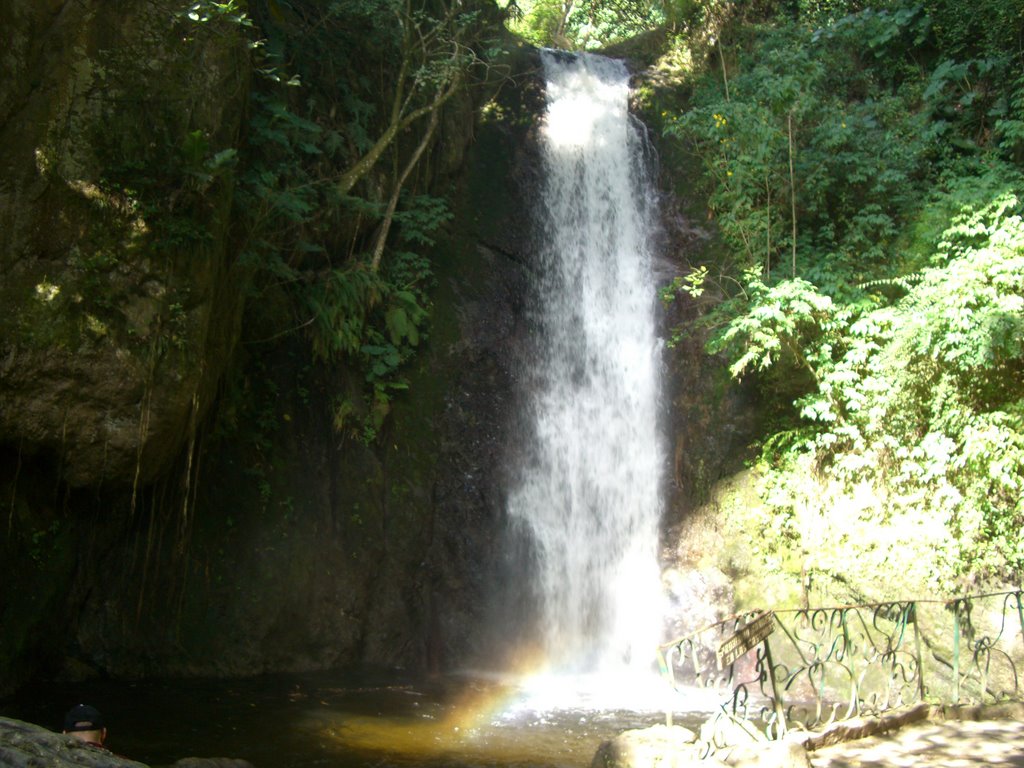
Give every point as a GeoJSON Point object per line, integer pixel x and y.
{"type": "Point", "coordinates": [208, 11]}
{"type": "Point", "coordinates": [895, 348]}
{"type": "Point", "coordinates": [577, 25]}
{"type": "Point", "coordinates": [925, 394]}
{"type": "Point", "coordinates": [783, 320]}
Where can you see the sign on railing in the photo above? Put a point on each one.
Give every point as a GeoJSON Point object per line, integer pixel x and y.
{"type": "Point", "coordinates": [746, 639]}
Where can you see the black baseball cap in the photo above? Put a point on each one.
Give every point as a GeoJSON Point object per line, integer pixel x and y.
{"type": "Point", "coordinates": [82, 717]}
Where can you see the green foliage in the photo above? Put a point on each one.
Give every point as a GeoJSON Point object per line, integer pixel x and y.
{"type": "Point", "coordinates": [821, 13]}
{"type": "Point", "coordinates": [923, 396]}
{"type": "Point", "coordinates": [855, 158]}
{"type": "Point", "coordinates": [588, 25]}
{"type": "Point", "coordinates": [345, 268]}
{"type": "Point", "coordinates": [207, 11]}
{"type": "Point", "coordinates": [540, 23]}
{"type": "Point", "coordinates": [144, 177]}
{"type": "Point", "coordinates": [160, 161]}
{"type": "Point", "coordinates": [787, 321]}
{"type": "Point", "coordinates": [371, 318]}
{"type": "Point", "coordinates": [350, 65]}
{"type": "Point", "coordinates": [980, 29]}
{"type": "Point", "coordinates": [888, 139]}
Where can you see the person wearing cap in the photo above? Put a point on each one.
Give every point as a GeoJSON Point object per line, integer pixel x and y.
{"type": "Point", "coordinates": [85, 723]}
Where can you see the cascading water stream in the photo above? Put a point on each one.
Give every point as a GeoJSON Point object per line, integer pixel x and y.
{"type": "Point", "coordinates": [589, 495]}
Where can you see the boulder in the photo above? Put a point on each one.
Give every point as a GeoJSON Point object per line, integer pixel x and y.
{"type": "Point", "coordinates": [767, 754]}
{"type": "Point", "coordinates": [23, 745]}
{"type": "Point", "coordinates": [660, 746]}
{"type": "Point", "coordinates": [724, 731]}
{"type": "Point", "coordinates": [664, 746]}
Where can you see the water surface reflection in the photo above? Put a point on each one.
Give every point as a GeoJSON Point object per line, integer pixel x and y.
{"type": "Point", "coordinates": [337, 720]}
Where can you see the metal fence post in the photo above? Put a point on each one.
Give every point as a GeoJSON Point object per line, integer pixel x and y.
{"type": "Point", "coordinates": [776, 696]}
{"type": "Point", "coordinates": [912, 616]}
{"type": "Point", "coordinates": [1020, 614]}
{"type": "Point", "coordinates": [956, 651]}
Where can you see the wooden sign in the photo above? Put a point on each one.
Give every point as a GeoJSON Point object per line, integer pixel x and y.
{"type": "Point", "coordinates": [748, 637]}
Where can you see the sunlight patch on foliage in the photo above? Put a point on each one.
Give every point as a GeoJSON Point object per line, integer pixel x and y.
{"type": "Point", "coordinates": [862, 168]}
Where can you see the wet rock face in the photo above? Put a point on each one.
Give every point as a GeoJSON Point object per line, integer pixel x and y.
{"type": "Point", "coordinates": [23, 745]}
{"type": "Point", "coordinates": [698, 598]}
{"type": "Point", "coordinates": [113, 332]}
{"type": "Point", "coordinates": [119, 310]}
{"type": "Point", "coordinates": [660, 746]}
{"type": "Point", "coordinates": [475, 585]}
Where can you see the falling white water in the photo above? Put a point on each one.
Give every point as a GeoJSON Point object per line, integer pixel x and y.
{"type": "Point", "coordinates": [589, 495]}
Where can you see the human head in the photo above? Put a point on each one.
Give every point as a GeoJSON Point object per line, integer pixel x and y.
{"type": "Point", "coordinates": [85, 723]}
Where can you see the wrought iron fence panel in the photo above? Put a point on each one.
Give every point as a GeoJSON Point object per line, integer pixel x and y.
{"type": "Point", "coordinates": [854, 661]}
{"type": "Point", "coordinates": [816, 666]}
{"type": "Point", "coordinates": [986, 631]}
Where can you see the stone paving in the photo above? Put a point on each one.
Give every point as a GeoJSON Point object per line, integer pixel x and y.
{"type": "Point", "coordinates": [948, 744]}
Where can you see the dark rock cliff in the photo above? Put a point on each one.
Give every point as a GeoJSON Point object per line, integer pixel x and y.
{"type": "Point", "coordinates": [110, 347]}
{"type": "Point", "coordinates": [178, 498]}
{"type": "Point", "coordinates": [112, 341]}
{"type": "Point", "coordinates": [310, 549]}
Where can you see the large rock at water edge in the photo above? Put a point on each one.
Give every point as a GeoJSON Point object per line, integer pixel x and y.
{"type": "Point", "coordinates": [23, 745]}
{"type": "Point", "coordinates": [660, 746]}
{"type": "Point", "coordinates": [767, 754]}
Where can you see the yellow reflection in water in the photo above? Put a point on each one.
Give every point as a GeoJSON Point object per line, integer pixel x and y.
{"type": "Point", "coordinates": [433, 740]}
{"type": "Point", "coordinates": [470, 729]}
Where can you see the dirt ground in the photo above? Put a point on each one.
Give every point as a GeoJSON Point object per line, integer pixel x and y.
{"type": "Point", "coordinates": [949, 744]}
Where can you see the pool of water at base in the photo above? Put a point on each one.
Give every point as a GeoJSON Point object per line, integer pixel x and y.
{"type": "Point", "coordinates": [338, 720]}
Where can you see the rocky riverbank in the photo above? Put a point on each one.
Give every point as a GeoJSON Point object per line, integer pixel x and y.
{"type": "Point", "coordinates": [24, 745]}
{"type": "Point", "coordinates": [923, 735]}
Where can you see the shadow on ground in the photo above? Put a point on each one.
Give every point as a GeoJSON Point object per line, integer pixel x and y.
{"type": "Point", "coordinates": [950, 744]}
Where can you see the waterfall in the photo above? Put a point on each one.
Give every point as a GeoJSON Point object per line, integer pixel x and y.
{"type": "Point", "coordinates": [589, 493]}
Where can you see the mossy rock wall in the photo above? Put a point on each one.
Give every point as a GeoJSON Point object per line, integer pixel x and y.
{"type": "Point", "coordinates": [114, 332]}
{"type": "Point", "coordinates": [120, 307]}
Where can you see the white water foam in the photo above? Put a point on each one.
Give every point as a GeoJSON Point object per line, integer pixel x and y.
{"type": "Point", "coordinates": [589, 496]}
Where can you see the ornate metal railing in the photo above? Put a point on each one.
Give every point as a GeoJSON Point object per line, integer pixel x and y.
{"type": "Point", "coordinates": [810, 667]}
